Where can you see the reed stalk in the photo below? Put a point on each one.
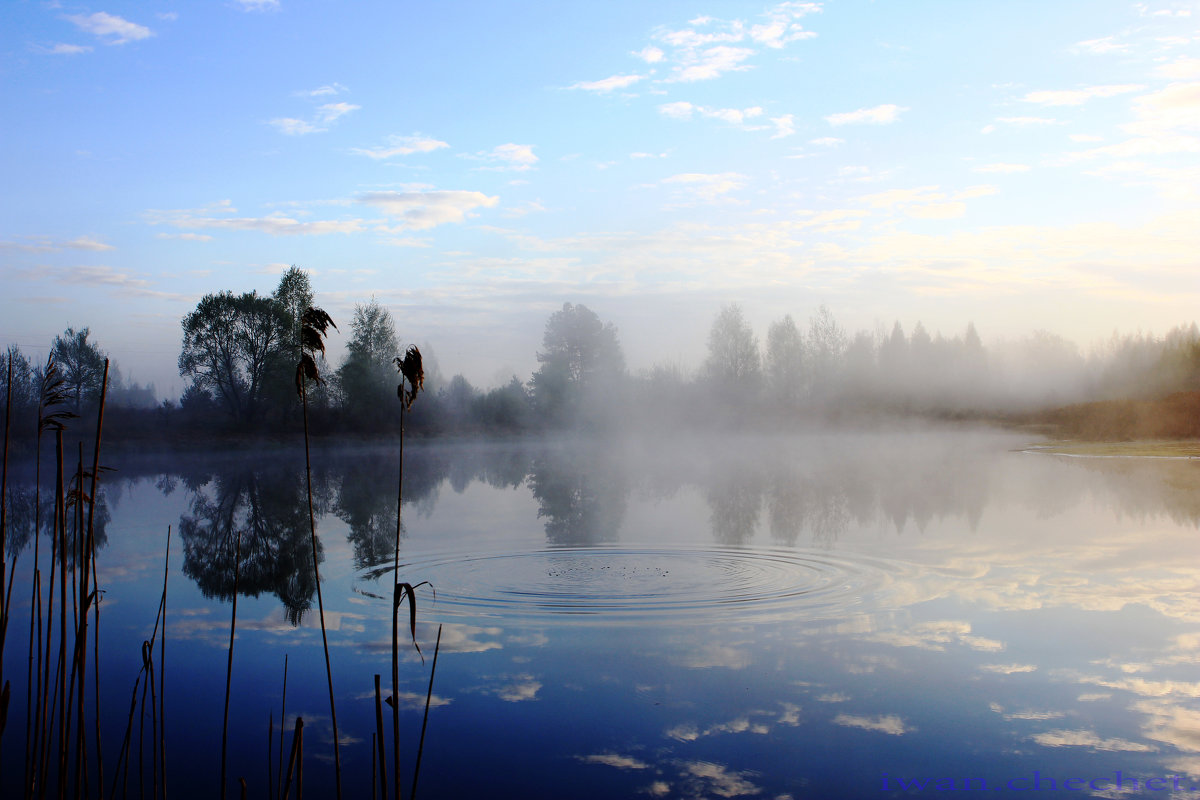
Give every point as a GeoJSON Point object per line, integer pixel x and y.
{"type": "Point", "coordinates": [6, 599]}
{"type": "Point", "coordinates": [237, 561]}
{"type": "Point", "coordinates": [314, 323]}
{"type": "Point", "coordinates": [425, 720]}
{"type": "Point", "coordinates": [411, 370]}
{"type": "Point", "coordinates": [379, 743]}
{"type": "Point", "coordinates": [295, 759]}
{"type": "Point", "coordinates": [282, 723]}
{"type": "Point", "coordinates": [162, 672]}
{"type": "Point", "coordinates": [61, 675]}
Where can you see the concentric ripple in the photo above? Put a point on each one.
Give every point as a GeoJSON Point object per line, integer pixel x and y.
{"type": "Point", "coordinates": [612, 584]}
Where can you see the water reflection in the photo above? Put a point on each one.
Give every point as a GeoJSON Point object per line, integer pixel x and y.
{"type": "Point", "coordinates": [264, 512]}
{"type": "Point", "coordinates": [581, 493]}
{"type": "Point", "coordinates": [808, 613]}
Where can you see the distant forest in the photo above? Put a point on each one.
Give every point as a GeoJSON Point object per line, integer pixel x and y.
{"type": "Point", "coordinates": [239, 355]}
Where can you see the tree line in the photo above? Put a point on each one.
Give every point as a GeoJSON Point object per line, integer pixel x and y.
{"type": "Point", "coordinates": [238, 356]}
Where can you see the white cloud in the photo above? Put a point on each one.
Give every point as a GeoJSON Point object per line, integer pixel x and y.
{"type": "Point", "coordinates": [1027, 121]}
{"type": "Point", "coordinates": [61, 49]}
{"type": "Point", "coordinates": [187, 237]}
{"type": "Point", "coordinates": [827, 141]}
{"type": "Point", "coordinates": [402, 146]}
{"type": "Point", "coordinates": [88, 243]}
{"type": "Point", "coordinates": [608, 84]}
{"type": "Point", "coordinates": [878, 115]}
{"type": "Point", "coordinates": [651, 55]}
{"type": "Point", "coordinates": [1077, 97]}
{"type": "Point", "coordinates": [1002, 168]}
{"type": "Point", "coordinates": [273, 224]}
{"type": "Point", "coordinates": [712, 63]}
{"type": "Point", "coordinates": [1181, 69]}
{"type": "Point", "coordinates": [677, 110]}
{"type": "Point", "coordinates": [323, 116]}
{"type": "Point", "coordinates": [258, 5]}
{"type": "Point", "coordinates": [291, 126]}
{"type": "Point", "coordinates": [514, 157]}
{"type": "Point", "coordinates": [734, 116]}
{"type": "Point", "coordinates": [784, 126]}
{"type": "Point", "coordinates": [420, 210]}
{"type": "Point", "coordinates": [707, 187]}
{"type": "Point", "coordinates": [1108, 44]}
{"type": "Point", "coordinates": [109, 28]}
{"type": "Point", "coordinates": [331, 111]}
{"type": "Point", "coordinates": [328, 90]}
{"type": "Point", "coordinates": [782, 28]}
{"type": "Point", "coordinates": [890, 724]}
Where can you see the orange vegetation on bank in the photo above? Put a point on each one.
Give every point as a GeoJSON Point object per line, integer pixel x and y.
{"type": "Point", "coordinates": [1175, 416]}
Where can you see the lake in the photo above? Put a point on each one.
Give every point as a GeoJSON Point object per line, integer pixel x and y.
{"type": "Point", "coordinates": [813, 615]}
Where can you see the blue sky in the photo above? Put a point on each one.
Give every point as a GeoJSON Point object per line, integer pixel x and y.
{"type": "Point", "coordinates": [473, 165]}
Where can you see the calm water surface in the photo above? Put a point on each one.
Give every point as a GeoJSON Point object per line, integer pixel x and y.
{"type": "Point", "coordinates": [810, 616]}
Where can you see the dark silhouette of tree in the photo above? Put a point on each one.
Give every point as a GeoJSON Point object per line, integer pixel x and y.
{"type": "Point", "coordinates": [81, 364]}
{"type": "Point", "coordinates": [26, 383]}
{"type": "Point", "coordinates": [582, 367]}
{"type": "Point", "coordinates": [231, 346]}
{"type": "Point", "coordinates": [294, 293]}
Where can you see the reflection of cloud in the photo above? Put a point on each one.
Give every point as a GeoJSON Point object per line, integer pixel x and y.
{"type": "Point", "coordinates": [615, 760]}
{"type": "Point", "coordinates": [750, 722]}
{"type": "Point", "coordinates": [715, 656]}
{"type": "Point", "coordinates": [832, 697]}
{"type": "Point", "coordinates": [1065, 738]}
{"type": "Point", "coordinates": [890, 724]}
{"type": "Point", "coordinates": [524, 687]}
{"type": "Point", "coordinates": [1026, 715]}
{"type": "Point", "coordinates": [1008, 669]}
{"type": "Point", "coordinates": [1172, 724]}
{"type": "Point", "coordinates": [936, 635]}
{"type": "Point", "coordinates": [720, 780]}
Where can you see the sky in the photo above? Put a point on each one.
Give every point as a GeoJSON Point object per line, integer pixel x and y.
{"type": "Point", "coordinates": [1020, 165]}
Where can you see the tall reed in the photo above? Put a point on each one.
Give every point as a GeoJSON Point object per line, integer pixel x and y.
{"type": "Point", "coordinates": [237, 560]}
{"type": "Point", "coordinates": [313, 326]}
{"type": "Point", "coordinates": [412, 372]}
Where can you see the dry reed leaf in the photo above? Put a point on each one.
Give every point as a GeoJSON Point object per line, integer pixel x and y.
{"type": "Point", "coordinates": [413, 371]}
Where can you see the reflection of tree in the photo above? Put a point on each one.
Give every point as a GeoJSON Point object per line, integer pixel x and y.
{"type": "Point", "coordinates": [20, 519]}
{"type": "Point", "coordinates": [581, 492]}
{"type": "Point", "coordinates": [367, 503]}
{"type": "Point", "coordinates": [735, 502]}
{"type": "Point", "coordinates": [267, 509]}
{"type": "Point", "coordinates": [786, 505]}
